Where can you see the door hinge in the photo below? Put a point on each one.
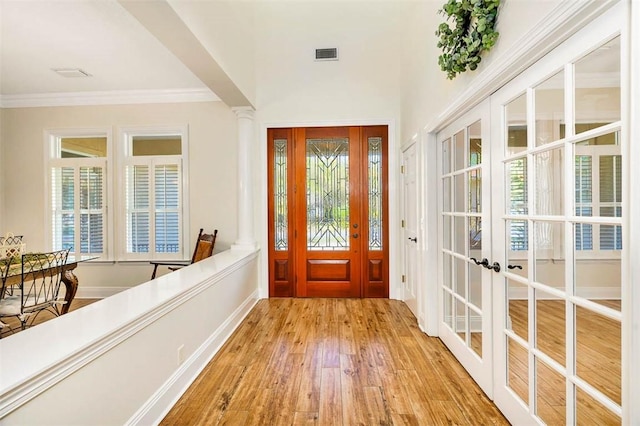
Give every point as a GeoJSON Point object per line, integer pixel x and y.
{"type": "Point", "coordinates": [403, 223]}
{"type": "Point", "coordinates": [403, 278]}
{"type": "Point", "coordinates": [401, 169]}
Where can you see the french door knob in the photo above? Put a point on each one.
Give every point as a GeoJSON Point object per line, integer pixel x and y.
{"type": "Point", "coordinates": [484, 262]}
{"type": "Point", "coordinates": [414, 239]}
{"type": "Point", "coordinates": [355, 235]}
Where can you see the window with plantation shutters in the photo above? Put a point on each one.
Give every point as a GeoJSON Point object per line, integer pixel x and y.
{"type": "Point", "coordinates": [78, 193]}
{"type": "Point", "coordinates": [154, 195]}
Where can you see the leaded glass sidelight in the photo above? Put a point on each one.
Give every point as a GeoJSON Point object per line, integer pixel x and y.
{"type": "Point", "coordinates": [280, 194]}
{"type": "Point", "coordinates": [375, 192]}
{"type": "Point", "coordinates": [327, 194]}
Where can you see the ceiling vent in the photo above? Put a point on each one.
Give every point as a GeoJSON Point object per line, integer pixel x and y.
{"type": "Point", "coordinates": [71, 72]}
{"type": "Point", "coordinates": [330, 54]}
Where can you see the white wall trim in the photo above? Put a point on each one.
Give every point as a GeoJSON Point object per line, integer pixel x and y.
{"type": "Point", "coordinates": [567, 18]}
{"type": "Point", "coordinates": [114, 97]}
{"type": "Point", "coordinates": [160, 403]}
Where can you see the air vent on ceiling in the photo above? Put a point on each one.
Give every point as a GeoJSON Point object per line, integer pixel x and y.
{"type": "Point", "coordinates": [71, 72]}
{"type": "Point", "coordinates": [330, 54]}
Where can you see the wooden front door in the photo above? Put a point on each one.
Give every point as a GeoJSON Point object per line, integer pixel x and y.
{"type": "Point", "coordinates": [328, 212]}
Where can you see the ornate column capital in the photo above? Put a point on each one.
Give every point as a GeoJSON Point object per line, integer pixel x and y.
{"type": "Point", "coordinates": [244, 112]}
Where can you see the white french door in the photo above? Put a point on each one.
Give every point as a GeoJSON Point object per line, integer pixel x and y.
{"type": "Point", "coordinates": [410, 240]}
{"type": "Point", "coordinates": [557, 219]}
{"type": "Point", "coordinates": [531, 199]}
{"type": "Point", "coordinates": [465, 236]}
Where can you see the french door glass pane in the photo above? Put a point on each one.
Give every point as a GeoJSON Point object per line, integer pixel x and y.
{"type": "Point", "coordinates": [549, 175]}
{"type": "Point", "coordinates": [475, 322]}
{"type": "Point", "coordinates": [549, 246]}
{"type": "Point", "coordinates": [590, 411]}
{"type": "Point", "coordinates": [327, 189]}
{"type": "Point", "coordinates": [517, 186]}
{"type": "Point", "coordinates": [447, 309]}
{"type": "Point", "coordinates": [459, 150]}
{"type": "Point", "coordinates": [459, 283]}
{"type": "Point", "coordinates": [516, 114]}
{"type": "Point", "coordinates": [598, 352]}
{"type": "Point", "coordinates": [475, 191]}
{"type": "Point", "coordinates": [597, 100]}
{"type": "Point", "coordinates": [549, 109]}
{"type": "Point", "coordinates": [461, 320]}
{"type": "Point", "coordinates": [446, 156]}
{"type": "Point", "coordinates": [551, 395]}
{"type": "Point", "coordinates": [375, 193]}
{"type": "Point", "coordinates": [475, 143]}
{"type": "Point", "coordinates": [517, 307]}
{"type": "Point", "coordinates": [280, 195]}
{"type": "Point", "coordinates": [459, 193]}
{"type": "Point", "coordinates": [550, 326]}
{"type": "Point", "coordinates": [518, 369]}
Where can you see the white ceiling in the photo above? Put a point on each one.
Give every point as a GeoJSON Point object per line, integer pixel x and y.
{"type": "Point", "coordinates": [97, 36]}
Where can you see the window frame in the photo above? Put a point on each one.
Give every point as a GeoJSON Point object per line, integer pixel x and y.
{"type": "Point", "coordinates": [124, 159]}
{"type": "Point", "coordinates": [52, 138]}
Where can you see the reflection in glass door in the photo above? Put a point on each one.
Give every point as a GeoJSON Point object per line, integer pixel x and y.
{"type": "Point", "coordinates": [559, 224]}
{"type": "Point", "coordinates": [464, 325]}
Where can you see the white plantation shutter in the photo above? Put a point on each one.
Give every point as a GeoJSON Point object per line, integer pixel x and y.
{"type": "Point", "coordinates": [154, 206]}
{"type": "Point", "coordinates": [138, 193]}
{"type": "Point", "coordinates": [78, 193]}
{"type": "Point", "coordinates": [167, 208]}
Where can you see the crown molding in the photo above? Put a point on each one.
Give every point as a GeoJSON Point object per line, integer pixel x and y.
{"type": "Point", "coordinates": [107, 98]}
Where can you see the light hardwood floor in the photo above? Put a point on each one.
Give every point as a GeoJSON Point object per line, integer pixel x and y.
{"type": "Point", "coordinates": [333, 362]}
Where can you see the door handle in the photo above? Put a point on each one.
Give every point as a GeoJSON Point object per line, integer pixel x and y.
{"type": "Point", "coordinates": [414, 239]}
{"type": "Point", "coordinates": [495, 267]}
{"type": "Point", "coordinates": [514, 266]}
{"type": "Point", "coordinates": [484, 262]}
{"type": "Point", "coordinates": [355, 235]}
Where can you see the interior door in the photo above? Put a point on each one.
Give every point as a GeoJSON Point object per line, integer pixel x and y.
{"type": "Point", "coordinates": [410, 227]}
{"type": "Point", "coordinates": [465, 244]}
{"type": "Point", "coordinates": [557, 171]}
{"type": "Point", "coordinates": [328, 226]}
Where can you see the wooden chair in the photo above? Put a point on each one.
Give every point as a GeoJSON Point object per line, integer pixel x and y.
{"type": "Point", "coordinates": [40, 282]}
{"type": "Point", "coordinates": [204, 249]}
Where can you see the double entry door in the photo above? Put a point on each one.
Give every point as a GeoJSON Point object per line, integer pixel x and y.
{"type": "Point", "coordinates": [531, 242]}
{"type": "Point", "coordinates": [328, 220]}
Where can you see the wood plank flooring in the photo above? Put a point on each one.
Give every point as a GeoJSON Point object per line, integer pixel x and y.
{"type": "Point", "coordinates": [333, 362]}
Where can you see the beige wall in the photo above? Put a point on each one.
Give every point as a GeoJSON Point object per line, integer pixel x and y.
{"type": "Point", "coordinates": [212, 168]}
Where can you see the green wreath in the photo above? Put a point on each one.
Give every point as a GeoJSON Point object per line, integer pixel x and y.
{"type": "Point", "coordinates": [473, 33]}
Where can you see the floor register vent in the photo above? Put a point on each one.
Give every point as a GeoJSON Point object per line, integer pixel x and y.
{"type": "Point", "coordinates": [330, 54]}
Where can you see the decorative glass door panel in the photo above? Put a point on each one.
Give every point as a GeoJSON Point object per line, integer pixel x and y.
{"type": "Point", "coordinates": [327, 187]}
{"type": "Point", "coordinates": [327, 212]}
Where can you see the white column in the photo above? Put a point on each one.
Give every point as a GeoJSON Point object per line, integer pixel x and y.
{"type": "Point", "coordinates": [246, 133]}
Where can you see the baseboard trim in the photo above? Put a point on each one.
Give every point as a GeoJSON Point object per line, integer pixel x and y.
{"type": "Point", "coordinates": [157, 407]}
